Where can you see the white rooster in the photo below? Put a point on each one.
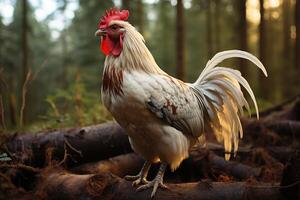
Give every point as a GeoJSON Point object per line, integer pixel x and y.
{"type": "Point", "coordinates": [163, 116]}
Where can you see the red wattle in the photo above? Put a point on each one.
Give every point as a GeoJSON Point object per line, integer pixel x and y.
{"type": "Point", "coordinates": [109, 47]}
{"type": "Point", "coordinates": [106, 45]}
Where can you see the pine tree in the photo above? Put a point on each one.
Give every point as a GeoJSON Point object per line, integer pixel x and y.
{"type": "Point", "coordinates": [180, 41]}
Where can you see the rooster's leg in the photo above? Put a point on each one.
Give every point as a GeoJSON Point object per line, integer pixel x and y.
{"type": "Point", "coordinates": [141, 177]}
{"type": "Point", "coordinates": [156, 182]}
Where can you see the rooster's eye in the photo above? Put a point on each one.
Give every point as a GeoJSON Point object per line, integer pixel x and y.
{"type": "Point", "coordinates": [114, 27]}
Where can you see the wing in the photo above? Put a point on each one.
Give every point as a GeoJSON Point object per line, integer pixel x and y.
{"type": "Point", "coordinates": [174, 102]}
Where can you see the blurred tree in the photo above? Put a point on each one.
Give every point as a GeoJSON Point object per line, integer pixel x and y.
{"type": "Point", "coordinates": [161, 36]}
{"type": "Point", "coordinates": [25, 66]}
{"type": "Point", "coordinates": [209, 30]}
{"type": "Point", "coordinates": [136, 9]}
{"type": "Point", "coordinates": [140, 16]}
{"type": "Point", "coordinates": [2, 29]}
{"type": "Point", "coordinates": [243, 36]}
{"type": "Point", "coordinates": [196, 51]}
{"type": "Point", "coordinates": [63, 41]}
{"type": "Point", "coordinates": [84, 48]}
{"type": "Point", "coordinates": [180, 41]}
{"type": "Point", "coordinates": [297, 23]}
{"type": "Point", "coordinates": [217, 21]}
{"type": "Point", "coordinates": [286, 53]}
{"type": "Point", "coordinates": [263, 86]}
{"type": "Point", "coordinates": [14, 58]}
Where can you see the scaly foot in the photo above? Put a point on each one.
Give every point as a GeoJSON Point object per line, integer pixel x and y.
{"type": "Point", "coordinates": [156, 182]}
{"type": "Point", "coordinates": [140, 179]}
{"type": "Point", "coordinates": [136, 180]}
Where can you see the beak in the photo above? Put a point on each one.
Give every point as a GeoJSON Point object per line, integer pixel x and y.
{"type": "Point", "coordinates": [100, 32]}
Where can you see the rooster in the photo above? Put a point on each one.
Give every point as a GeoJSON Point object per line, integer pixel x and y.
{"type": "Point", "coordinates": [163, 116]}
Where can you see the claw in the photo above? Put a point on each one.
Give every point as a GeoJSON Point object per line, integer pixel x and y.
{"type": "Point", "coordinates": [131, 178]}
{"type": "Point", "coordinates": [136, 180]}
{"type": "Point", "coordinates": [156, 182]}
{"type": "Point", "coordinates": [140, 179]}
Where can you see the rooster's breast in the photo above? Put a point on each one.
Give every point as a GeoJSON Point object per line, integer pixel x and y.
{"type": "Point", "coordinates": [149, 136]}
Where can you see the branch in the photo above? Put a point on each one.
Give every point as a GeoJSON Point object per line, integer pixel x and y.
{"type": "Point", "coordinates": [88, 144]}
{"type": "Point", "coordinates": [120, 165]}
{"type": "Point", "coordinates": [106, 186]}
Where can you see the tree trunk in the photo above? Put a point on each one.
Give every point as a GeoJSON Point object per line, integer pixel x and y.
{"type": "Point", "coordinates": [297, 23]}
{"type": "Point", "coordinates": [286, 71]}
{"type": "Point", "coordinates": [140, 16]}
{"type": "Point", "coordinates": [209, 31]}
{"type": "Point", "coordinates": [2, 119]}
{"type": "Point", "coordinates": [63, 185]}
{"type": "Point", "coordinates": [180, 37]}
{"type": "Point", "coordinates": [109, 139]}
{"type": "Point", "coordinates": [263, 86]}
{"type": "Point", "coordinates": [83, 145]}
{"type": "Point", "coordinates": [286, 6]}
{"type": "Point", "coordinates": [24, 53]}
{"type": "Point", "coordinates": [217, 30]}
{"type": "Point", "coordinates": [122, 165]}
{"type": "Point", "coordinates": [12, 109]}
{"type": "Point", "coordinates": [125, 4]}
{"type": "Point", "coordinates": [242, 27]}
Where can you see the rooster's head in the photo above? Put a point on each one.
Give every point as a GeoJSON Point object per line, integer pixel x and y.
{"type": "Point", "coordinates": [111, 31]}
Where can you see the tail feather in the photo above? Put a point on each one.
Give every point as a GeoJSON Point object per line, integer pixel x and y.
{"type": "Point", "coordinates": [219, 91]}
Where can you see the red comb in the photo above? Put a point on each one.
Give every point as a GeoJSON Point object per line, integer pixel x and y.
{"type": "Point", "coordinates": [113, 14]}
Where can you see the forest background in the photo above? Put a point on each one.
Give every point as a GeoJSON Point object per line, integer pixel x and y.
{"type": "Point", "coordinates": [51, 65]}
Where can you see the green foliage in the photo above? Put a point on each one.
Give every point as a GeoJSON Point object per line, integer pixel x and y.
{"type": "Point", "coordinates": [84, 49]}
{"type": "Point", "coordinates": [75, 105]}
{"type": "Point", "coordinates": [160, 36]}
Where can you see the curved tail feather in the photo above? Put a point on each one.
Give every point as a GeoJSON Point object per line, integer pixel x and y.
{"type": "Point", "coordinates": [221, 98]}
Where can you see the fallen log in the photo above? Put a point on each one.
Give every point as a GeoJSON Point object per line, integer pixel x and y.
{"type": "Point", "coordinates": [286, 128]}
{"type": "Point", "coordinates": [83, 145]}
{"type": "Point", "coordinates": [121, 165]}
{"type": "Point", "coordinates": [282, 153]}
{"type": "Point", "coordinates": [280, 107]}
{"type": "Point", "coordinates": [290, 181]}
{"type": "Point", "coordinates": [235, 169]}
{"type": "Point", "coordinates": [103, 186]}
{"type": "Point", "coordinates": [99, 142]}
{"type": "Point", "coordinates": [130, 164]}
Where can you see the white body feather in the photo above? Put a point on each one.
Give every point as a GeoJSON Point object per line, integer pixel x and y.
{"type": "Point", "coordinates": [163, 116]}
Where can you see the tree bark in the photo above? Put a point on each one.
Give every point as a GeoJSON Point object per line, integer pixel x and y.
{"type": "Point", "coordinates": [24, 61]}
{"type": "Point", "coordinates": [287, 61]}
{"type": "Point", "coordinates": [235, 169]}
{"type": "Point", "coordinates": [125, 4]}
{"type": "Point", "coordinates": [297, 23]}
{"type": "Point", "coordinates": [106, 140]}
{"type": "Point", "coordinates": [24, 41]}
{"type": "Point", "coordinates": [243, 37]}
{"type": "Point", "coordinates": [286, 7]}
{"type": "Point", "coordinates": [217, 30]}
{"type": "Point", "coordinates": [83, 145]}
{"type": "Point", "coordinates": [180, 41]}
{"type": "Point", "coordinates": [140, 16]}
{"type": "Point", "coordinates": [63, 185]}
{"type": "Point", "coordinates": [262, 50]}
{"type": "Point", "coordinates": [130, 164]}
{"type": "Point", "coordinates": [122, 165]}
{"type": "Point", "coordinates": [209, 31]}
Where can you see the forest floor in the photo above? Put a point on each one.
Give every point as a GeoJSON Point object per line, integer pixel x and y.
{"type": "Point", "coordinates": [90, 163]}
